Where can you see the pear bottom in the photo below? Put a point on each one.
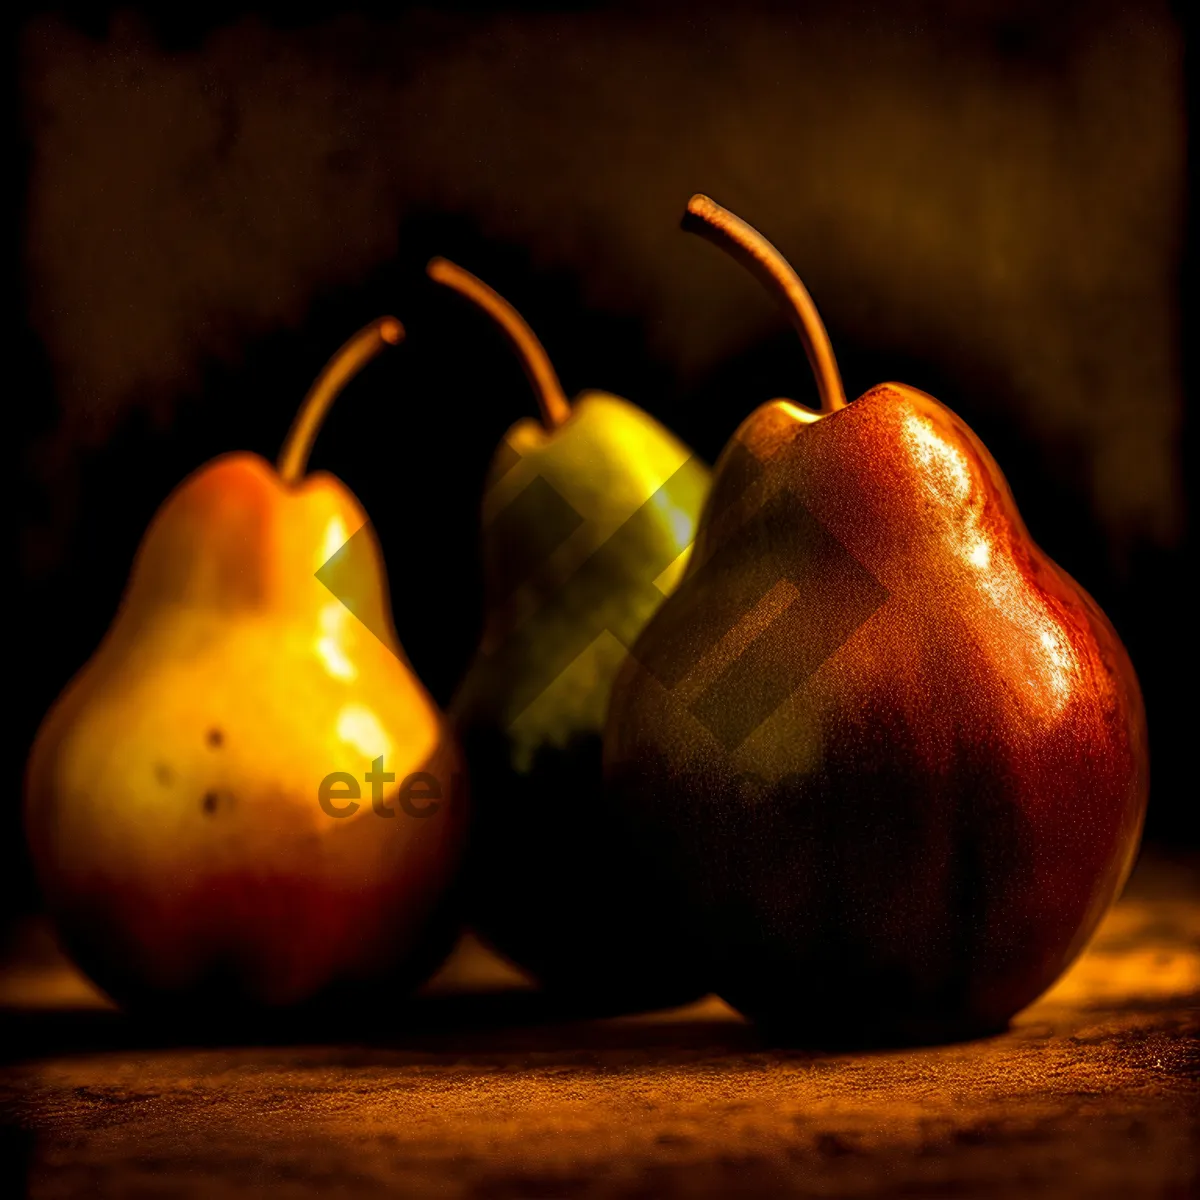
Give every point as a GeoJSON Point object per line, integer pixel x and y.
{"type": "Point", "coordinates": [556, 884]}
{"type": "Point", "coordinates": [396, 939]}
{"type": "Point", "coordinates": [862, 904]}
{"type": "Point", "coordinates": [221, 1004]}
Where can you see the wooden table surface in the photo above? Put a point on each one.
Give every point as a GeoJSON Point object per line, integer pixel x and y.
{"type": "Point", "coordinates": [480, 1091]}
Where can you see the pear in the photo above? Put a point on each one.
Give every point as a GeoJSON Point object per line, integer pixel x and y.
{"type": "Point", "coordinates": [891, 757]}
{"type": "Point", "coordinates": [588, 519]}
{"type": "Point", "coordinates": [190, 796]}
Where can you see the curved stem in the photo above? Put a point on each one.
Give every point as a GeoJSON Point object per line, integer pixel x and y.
{"type": "Point", "coordinates": [552, 399]}
{"type": "Point", "coordinates": [707, 218]}
{"type": "Point", "coordinates": [338, 371]}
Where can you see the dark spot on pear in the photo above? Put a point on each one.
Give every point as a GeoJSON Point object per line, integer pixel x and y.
{"type": "Point", "coordinates": [215, 738]}
{"type": "Point", "coordinates": [209, 803]}
{"type": "Point", "coordinates": [164, 774]}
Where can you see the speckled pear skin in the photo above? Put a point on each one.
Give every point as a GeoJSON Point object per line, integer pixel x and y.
{"type": "Point", "coordinates": [923, 834]}
{"type": "Point", "coordinates": [570, 581]}
{"type": "Point", "coordinates": [172, 802]}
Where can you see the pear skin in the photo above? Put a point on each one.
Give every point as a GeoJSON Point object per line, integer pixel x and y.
{"type": "Point", "coordinates": [588, 519]}
{"type": "Point", "coordinates": [893, 758]}
{"type": "Point", "coordinates": [173, 801]}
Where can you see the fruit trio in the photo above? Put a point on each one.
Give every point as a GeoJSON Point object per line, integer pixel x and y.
{"type": "Point", "coordinates": [823, 731]}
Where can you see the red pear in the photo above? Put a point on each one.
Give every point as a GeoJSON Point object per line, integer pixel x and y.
{"type": "Point", "coordinates": [891, 756]}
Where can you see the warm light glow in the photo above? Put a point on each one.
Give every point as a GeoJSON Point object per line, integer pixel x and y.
{"type": "Point", "coordinates": [980, 555]}
{"type": "Point", "coordinates": [333, 618]}
{"type": "Point", "coordinates": [943, 467]}
{"type": "Point", "coordinates": [806, 416]}
{"type": "Point", "coordinates": [668, 580]}
{"type": "Point", "coordinates": [677, 519]}
{"type": "Point", "coordinates": [331, 638]}
{"type": "Point", "coordinates": [336, 537]}
{"type": "Point", "coordinates": [1050, 660]}
{"type": "Point", "coordinates": [358, 726]}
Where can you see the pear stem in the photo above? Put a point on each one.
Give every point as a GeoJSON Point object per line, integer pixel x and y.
{"type": "Point", "coordinates": [338, 371]}
{"type": "Point", "coordinates": [707, 218]}
{"type": "Point", "coordinates": [552, 400]}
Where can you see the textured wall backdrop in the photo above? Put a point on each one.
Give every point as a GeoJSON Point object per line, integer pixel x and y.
{"type": "Point", "coordinates": [1016, 205]}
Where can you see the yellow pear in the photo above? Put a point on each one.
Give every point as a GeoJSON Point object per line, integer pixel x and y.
{"type": "Point", "coordinates": [246, 796]}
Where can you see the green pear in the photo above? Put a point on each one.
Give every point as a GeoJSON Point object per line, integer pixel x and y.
{"type": "Point", "coordinates": [588, 519]}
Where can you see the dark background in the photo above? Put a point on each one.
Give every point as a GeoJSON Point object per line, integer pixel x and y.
{"type": "Point", "coordinates": [987, 201]}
